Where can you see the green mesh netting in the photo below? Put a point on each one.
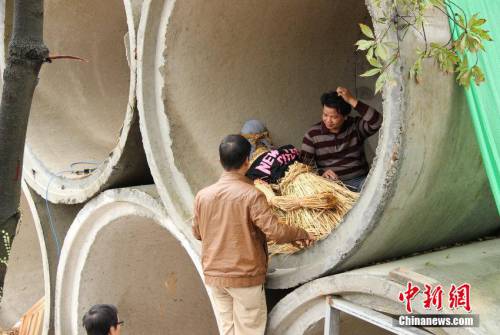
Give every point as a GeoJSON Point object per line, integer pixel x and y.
{"type": "Point", "coordinates": [484, 101]}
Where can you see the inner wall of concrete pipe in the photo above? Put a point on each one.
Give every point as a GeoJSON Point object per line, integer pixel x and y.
{"type": "Point", "coordinates": [78, 108]}
{"type": "Point", "coordinates": [83, 111]}
{"type": "Point", "coordinates": [303, 310]}
{"type": "Point", "coordinates": [224, 62]}
{"type": "Point", "coordinates": [228, 62]}
{"type": "Point", "coordinates": [122, 249]}
{"type": "Point", "coordinates": [207, 66]}
{"type": "Point", "coordinates": [26, 281]}
{"type": "Point", "coordinates": [377, 288]}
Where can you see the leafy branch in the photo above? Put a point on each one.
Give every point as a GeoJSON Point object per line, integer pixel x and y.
{"type": "Point", "coordinates": [402, 16]}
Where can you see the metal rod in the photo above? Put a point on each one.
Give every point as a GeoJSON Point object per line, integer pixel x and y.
{"type": "Point", "coordinates": [332, 319]}
{"type": "Point", "coordinates": [332, 324]}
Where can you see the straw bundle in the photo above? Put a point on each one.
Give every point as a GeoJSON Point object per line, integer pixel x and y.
{"type": "Point", "coordinates": [323, 200]}
{"type": "Point", "coordinates": [269, 193]}
{"type": "Point", "coordinates": [308, 201]}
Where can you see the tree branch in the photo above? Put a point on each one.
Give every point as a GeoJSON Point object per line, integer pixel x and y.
{"type": "Point", "coordinates": [27, 53]}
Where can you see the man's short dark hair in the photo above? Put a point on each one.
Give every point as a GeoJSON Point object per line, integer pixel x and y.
{"type": "Point", "coordinates": [100, 318]}
{"type": "Point", "coordinates": [233, 151]}
{"type": "Point", "coordinates": [333, 100]}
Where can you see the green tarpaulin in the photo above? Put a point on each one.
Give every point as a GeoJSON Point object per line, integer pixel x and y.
{"type": "Point", "coordinates": [484, 100]}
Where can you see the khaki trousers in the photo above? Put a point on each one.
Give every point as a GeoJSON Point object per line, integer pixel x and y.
{"type": "Point", "coordinates": [240, 310]}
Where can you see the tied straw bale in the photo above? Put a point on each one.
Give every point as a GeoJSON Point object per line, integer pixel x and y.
{"type": "Point", "coordinates": [306, 200]}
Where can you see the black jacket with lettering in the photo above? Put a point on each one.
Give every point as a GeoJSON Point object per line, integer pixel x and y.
{"type": "Point", "coordinates": [272, 165]}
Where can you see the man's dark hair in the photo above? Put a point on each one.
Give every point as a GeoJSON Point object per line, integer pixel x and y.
{"type": "Point", "coordinates": [99, 319]}
{"type": "Point", "coordinates": [333, 100]}
{"type": "Point", "coordinates": [233, 151]}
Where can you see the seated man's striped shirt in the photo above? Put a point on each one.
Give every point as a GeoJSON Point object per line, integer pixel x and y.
{"type": "Point", "coordinates": [343, 152]}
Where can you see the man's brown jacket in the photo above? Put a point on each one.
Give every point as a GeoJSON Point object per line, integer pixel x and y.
{"type": "Point", "coordinates": [232, 219]}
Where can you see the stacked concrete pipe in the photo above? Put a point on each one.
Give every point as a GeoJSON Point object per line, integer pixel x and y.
{"type": "Point", "coordinates": [204, 67]}
{"type": "Point", "coordinates": [27, 277]}
{"type": "Point", "coordinates": [377, 287]}
{"type": "Point", "coordinates": [32, 266]}
{"type": "Point", "coordinates": [83, 133]}
{"type": "Point", "coordinates": [123, 248]}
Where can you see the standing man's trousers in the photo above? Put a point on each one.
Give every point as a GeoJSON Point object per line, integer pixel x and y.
{"type": "Point", "coordinates": [240, 310]}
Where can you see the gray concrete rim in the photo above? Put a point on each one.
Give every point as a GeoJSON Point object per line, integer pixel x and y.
{"type": "Point", "coordinates": [96, 215]}
{"type": "Point", "coordinates": [114, 169]}
{"type": "Point", "coordinates": [177, 194]}
{"type": "Point", "coordinates": [377, 287]}
{"type": "Point", "coordinates": [412, 183]}
{"type": "Point", "coordinates": [40, 242]}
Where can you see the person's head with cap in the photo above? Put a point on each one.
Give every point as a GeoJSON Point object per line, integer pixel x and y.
{"type": "Point", "coordinates": [257, 134]}
{"type": "Point", "coordinates": [102, 319]}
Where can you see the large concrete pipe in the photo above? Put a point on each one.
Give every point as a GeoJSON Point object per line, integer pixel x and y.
{"type": "Point", "coordinates": [377, 288]}
{"type": "Point", "coordinates": [27, 277]}
{"type": "Point", "coordinates": [32, 266]}
{"type": "Point", "coordinates": [31, 273]}
{"type": "Point", "coordinates": [55, 220]}
{"type": "Point", "coordinates": [204, 67]}
{"type": "Point", "coordinates": [83, 134]}
{"type": "Point", "coordinates": [124, 249]}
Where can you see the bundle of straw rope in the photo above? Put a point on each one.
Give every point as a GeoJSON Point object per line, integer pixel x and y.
{"type": "Point", "coordinates": [308, 201]}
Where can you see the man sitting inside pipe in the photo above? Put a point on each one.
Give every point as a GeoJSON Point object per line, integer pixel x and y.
{"type": "Point", "coordinates": [233, 220]}
{"type": "Point", "coordinates": [335, 145]}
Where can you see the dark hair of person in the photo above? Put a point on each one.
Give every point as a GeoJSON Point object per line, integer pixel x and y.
{"type": "Point", "coordinates": [100, 318]}
{"type": "Point", "coordinates": [233, 151]}
{"type": "Point", "coordinates": [333, 100]}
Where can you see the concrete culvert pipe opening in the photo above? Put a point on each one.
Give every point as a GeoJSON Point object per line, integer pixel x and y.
{"type": "Point", "coordinates": [123, 249]}
{"type": "Point", "coordinates": [27, 277]}
{"type": "Point", "coordinates": [206, 67]}
{"type": "Point", "coordinates": [85, 112]}
{"type": "Point", "coordinates": [376, 289]}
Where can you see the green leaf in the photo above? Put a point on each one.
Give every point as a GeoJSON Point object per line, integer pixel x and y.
{"type": "Point", "coordinates": [379, 84]}
{"type": "Point", "coordinates": [382, 52]}
{"type": "Point", "coordinates": [416, 70]}
{"type": "Point", "coordinates": [446, 58]}
{"type": "Point", "coordinates": [461, 21]}
{"type": "Point", "coordinates": [366, 30]}
{"type": "Point", "coordinates": [464, 79]}
{"type": "Point", "coordinates": [478, 75]}
{"type": "Point", "coordinates": [371, 73]}
{"type": "Point", "coordinates": [373, 61]}
{"type": "Point", "coordinates": [369, 54]}
{"type": "Point", "coordinates": [437, 3]}
{"type": "Point", "coordinates": [483, 34]}
{"type": "Point", "coordinates": [364, 44]}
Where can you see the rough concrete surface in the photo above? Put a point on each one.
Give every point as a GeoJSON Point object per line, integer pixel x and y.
{"type": "Point", "coordinates": [85, 112]}
{"type": "Point", "coordinates": [204, 67]}
{"type": "Point", "coordinates": [31, 273]}
{"type": "Point", "coordinates": [377, 287]}
{"type": "Point", "coordinates": [26, 280]}
{"type": "Point", "coordinates": [124, 249]}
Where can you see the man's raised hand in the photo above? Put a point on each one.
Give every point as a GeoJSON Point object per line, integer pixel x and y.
{"type": "Point", "coordinates": [347, 96]}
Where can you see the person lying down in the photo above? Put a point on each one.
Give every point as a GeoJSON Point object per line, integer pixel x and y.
{"type": "Point", "coordinates": [297, 194]}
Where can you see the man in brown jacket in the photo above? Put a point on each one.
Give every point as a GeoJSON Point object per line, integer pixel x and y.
{"type": "Point", "coordinates": [233, 220]}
